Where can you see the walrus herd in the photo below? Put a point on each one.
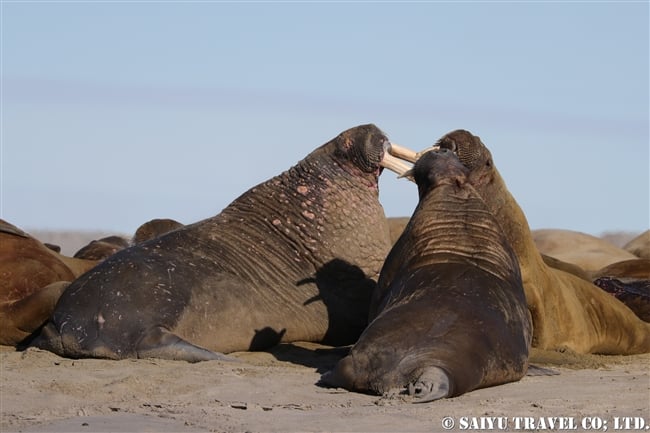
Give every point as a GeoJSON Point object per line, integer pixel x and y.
{"type": "Point", "coordinates": [447, 301]}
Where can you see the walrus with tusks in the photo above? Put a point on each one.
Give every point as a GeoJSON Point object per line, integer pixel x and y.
{"type": "Point", "coordinates": [449, 313]}
{"type": "Point", "coordinates": [293, 258]}
{"type": "Point", "coordinates": [568, 312]}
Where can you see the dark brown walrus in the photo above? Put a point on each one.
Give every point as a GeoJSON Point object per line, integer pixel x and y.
{"type": "Point", "coordinates": [634, 293]}
{"type": "Point", "coordinates": [294, 258]}
{"type": "Point", "coordinates": [449, 314]}
{"type": "Point", "coordinates": [32, 277]}
{"type": "Point", "coordinates": [567, 311]}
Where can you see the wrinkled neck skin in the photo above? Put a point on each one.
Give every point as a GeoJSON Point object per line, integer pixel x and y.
{"type": "Point", "coordinates": [456, 224]}
{"type": "Point", "coordinates": [313, 213]}
{"type": "Point", "coordinates": [512, 219]}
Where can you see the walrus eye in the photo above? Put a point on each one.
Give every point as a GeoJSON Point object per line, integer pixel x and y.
{"type": "Point", "coordinates": [449, 145]}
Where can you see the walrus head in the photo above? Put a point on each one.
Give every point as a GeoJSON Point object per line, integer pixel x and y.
{"type": "Point", "coordinates": [438, 167]}
{"type": "Point", "coordinates": [368, 149]}
{"type": "Point", "coordinates": [469, 149]}
{"type": "Point", "coordinates": [471, 152]}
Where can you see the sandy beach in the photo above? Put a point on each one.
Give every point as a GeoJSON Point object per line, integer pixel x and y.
{"type": "Point", "coordinates": [277, 391]}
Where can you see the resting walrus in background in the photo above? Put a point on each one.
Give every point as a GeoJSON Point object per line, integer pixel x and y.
{"type": "Point", "coordinates": [567, 312]}
{"type": "Point", "coordinates": [294, 258]}
{"type": "Point", "coordinates": [100, 249]}
{"type": "Point", "coordinates": [449, 313]}
{"type": "Point", "coordinates": [32, 277]}
{"type": "Point", "coordinates": [640, 245]}
{"type": "Point", "coordinates": [586, 251]}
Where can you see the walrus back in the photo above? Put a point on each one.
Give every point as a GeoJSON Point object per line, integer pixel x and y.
{"type": "Point", "coordinates": [94, 317]}
{"type": "Point", "coordinates": [430, 321]}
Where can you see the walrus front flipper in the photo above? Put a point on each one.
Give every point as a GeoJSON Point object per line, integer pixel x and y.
{"type": "Point", "coordinates": [433, 384]}
{"type": "Point", "coordinates": [160, 343]}
{"type": "Point", "coordinates": [23, 317]}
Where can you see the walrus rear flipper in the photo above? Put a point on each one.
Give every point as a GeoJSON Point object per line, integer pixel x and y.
{"type": "Point", "coordinates": [433, 384]}
{"type": "Point", "coordinates": [47, 339]}
{"type": "Point", "coordinates": [160, 343]}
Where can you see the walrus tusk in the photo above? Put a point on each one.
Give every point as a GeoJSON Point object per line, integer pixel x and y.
{"type": "Point", "coordinates": [395, 164]}
{"type": "Point", "coordinates": [408, 154]}
{"type": "Point", "coordinates": [403, 152]}
{"type": "Point", "coordinates": [408, 175]}
{"type": "Point", "coordinates": [399, 153]}
{"type": "Point", "coordinates": [428, 149]}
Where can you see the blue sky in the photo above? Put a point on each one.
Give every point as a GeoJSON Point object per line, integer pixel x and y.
{"type": "Point", "coordinates": [114, 113]}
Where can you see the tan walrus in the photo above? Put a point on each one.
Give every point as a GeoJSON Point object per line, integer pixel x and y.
{"type": "Point", "coordinates": [568, 312]}
{"type": "Point", "coordinates": [584, 250]}
{"type": "Point", "coordinates": [640, 245]}
{"type": "Point", "coordinates": [32, 277]}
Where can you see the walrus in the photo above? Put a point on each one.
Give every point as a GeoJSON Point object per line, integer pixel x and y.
{"type": "Point", "coordinates": [629, 282]}
{"type": "Point", "coordinates": [571, 268]}
{"type": "Point", "coordinates": [640, 245]}
{"type": "Point", "coordinates": [584, 250]}
{"type": "Point", "coordinates": [100, 249]}
{"type": "Point", "coordinates": [32, 277]}
{"type": "Point", "coordinates": [293, 258]}
{"type": "Point", "coordinates": [636, 269]}
{"type": "Point", "coordinates": [154, 228]}
{"type": "Point", "coordinates": [567, 311]}
{"type": "Point", "coordinates": [634, 293]}
{"type": "Point", "coordinates": [449, 313]}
